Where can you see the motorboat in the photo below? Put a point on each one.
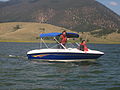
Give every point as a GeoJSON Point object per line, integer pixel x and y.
{"type": "Point", "coordinates": [62, 54]}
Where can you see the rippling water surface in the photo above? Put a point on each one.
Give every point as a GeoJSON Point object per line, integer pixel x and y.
{"type": "Point", "coordinates": [17, 72]}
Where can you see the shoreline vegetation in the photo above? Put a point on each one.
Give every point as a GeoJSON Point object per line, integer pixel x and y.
{"type": "Point", "coordinates": [30, 31]}
{"type": "Point", "coordinates": [48, 41]}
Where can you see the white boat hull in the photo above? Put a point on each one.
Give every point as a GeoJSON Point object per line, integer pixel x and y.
{"type": "Point", "coordinates": [70, 54]}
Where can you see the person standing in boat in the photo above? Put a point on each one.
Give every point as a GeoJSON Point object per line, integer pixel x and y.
{"type": "Point", "coordinates": [63, 38]}
{"type": "Point", "coordinates": [83, 46]}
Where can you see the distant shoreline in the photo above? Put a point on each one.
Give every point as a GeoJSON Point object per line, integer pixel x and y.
{"type": "Point", "coordinates": [48, 41]}
{"type": "Point", "coordinates": [30, 32]}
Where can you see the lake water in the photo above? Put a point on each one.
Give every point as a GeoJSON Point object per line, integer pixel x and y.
{"type": "Point", "coordinates": [17, 72]}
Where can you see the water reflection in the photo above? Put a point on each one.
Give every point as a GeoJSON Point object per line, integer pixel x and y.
{"type": "Point", "coordinates": [87, 63]}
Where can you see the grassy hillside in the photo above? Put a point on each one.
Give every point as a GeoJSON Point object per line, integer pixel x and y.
{"type": "Point", "coordinates": [113, 38]}
{"type": "Point", "coordinates": [24, 31]}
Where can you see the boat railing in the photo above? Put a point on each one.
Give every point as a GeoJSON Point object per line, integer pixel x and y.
{"type": "Point", "coordinates": [53, 46]}
{"type": "Point", "coordinates": [44, 43]}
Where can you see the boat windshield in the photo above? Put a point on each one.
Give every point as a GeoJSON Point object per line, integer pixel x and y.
{"type": "Point", "coordinates": [56, 45]}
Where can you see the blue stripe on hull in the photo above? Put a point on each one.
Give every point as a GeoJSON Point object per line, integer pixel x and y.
{"type": "Point", "coordinates": [63, 56]}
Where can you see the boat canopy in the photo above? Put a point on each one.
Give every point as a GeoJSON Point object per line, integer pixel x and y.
{"type": "Point", "coordinates": [69, 35]}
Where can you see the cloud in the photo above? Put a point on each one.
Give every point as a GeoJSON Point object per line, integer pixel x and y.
{"type": "Point", "coordinates": [4, 0]}
{"type": "Point", "coordinates": [112, 3]}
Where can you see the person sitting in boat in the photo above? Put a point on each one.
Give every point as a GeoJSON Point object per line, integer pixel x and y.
{"type": "Point", "coordinates": [83, 46]}
{"type": "Point", "coordinates": [63, 38]}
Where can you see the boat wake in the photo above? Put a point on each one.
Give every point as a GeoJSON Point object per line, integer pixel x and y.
{"type": "Point", "coordinates": [12, 56]}
{"type": "Point", "coordinates": [76, 62]}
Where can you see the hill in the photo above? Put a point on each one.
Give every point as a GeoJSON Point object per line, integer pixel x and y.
{"type": "Point", "coordinates": [27, 31]}
{"type": "Point", "coordinates": [78, 15]}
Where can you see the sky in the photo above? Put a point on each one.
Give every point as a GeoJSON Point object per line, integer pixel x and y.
{"type": "Point", "coordinates": [114, 5]}
{"type": "Point", "coordinates": [4, 0]}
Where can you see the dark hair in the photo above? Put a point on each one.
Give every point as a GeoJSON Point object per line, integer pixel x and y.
{"type": "Point", "coordinates": [82, 41]}
{"type": "Point", "coordinates": [63, 31]}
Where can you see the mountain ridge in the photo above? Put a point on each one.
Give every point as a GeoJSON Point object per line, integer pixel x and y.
{"type": "Point", "coordinates": [79, 15]}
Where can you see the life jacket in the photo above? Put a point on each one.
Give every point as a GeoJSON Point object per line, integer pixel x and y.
{"type": "Point", "coordinates": [85, 47]}
{"type": "Point", "coordinates": [63, 39]}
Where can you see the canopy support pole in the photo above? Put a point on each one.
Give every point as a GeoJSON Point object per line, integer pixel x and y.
{"type": "Point", "coordinates": [44, 42]}
{"type": "Point", "coordinates": [40, 42]}
{"type": "Point", "coordinates": [60, 43]}
{"type": "Point", "coordinates": [78, 44]}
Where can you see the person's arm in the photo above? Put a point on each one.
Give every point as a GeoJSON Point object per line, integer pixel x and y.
{"type": "Point", "coordinates": [85, 48]}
